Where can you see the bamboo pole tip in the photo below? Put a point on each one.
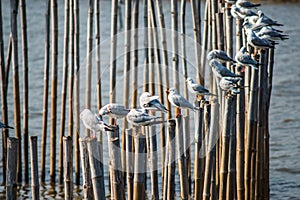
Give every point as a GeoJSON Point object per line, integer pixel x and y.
{"type": "Point", "coordinates": [67, 138]}
{"type": "Point", "coordinates": [33, 137]}
{"type": "Point", "coordinates": [171, 122]}
{"type": "Point", "coordinates": [12, 139]}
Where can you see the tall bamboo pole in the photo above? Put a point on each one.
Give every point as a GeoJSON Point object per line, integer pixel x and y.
{"type": "Point", "coordinates": [71, 71]}
{"type": "Point", "coordinates": [225, 146]}
{"type": "Point", "coordinates": [205, 36]}
{"type": "Point", "coordinates": [54, 40]}
{"type": "Point", "coordinates": [3, 92]}
{"type": "Point", "coordinates": [8, 61]}
{"type": "Point", "coordinates": [134, 27]}
{"type": "Point", "coordinates": [161, 20]}
{"type": "Point", "coordinates": [171, 159]}
{"type": "Point", "coordinates": [98, 59]}
{"type": "Point", "coordinates": [126, 88]}
{"type": "Point", "coordinates": [15, 64]}
{"type": "Point", "coordinates": [25, 86]}
{"type": "Point", "coordinates": [196, 26]}
{"type": "Point", "coordinates": [174, 21]}
{"type": "Point", "coordinates": [46, 89]}
{"type": "Point", "coordinates": [34, 168]}
{"type": "Point", "coordinates": [88, 80]}
{"type": "Point", "coordinates": [129, 162]}
{"type": "Point", "coordinates": [64, 89]}
{"type": "Point", "coordinates": [113, 51]}
{"type": "Point", "coordinates": [146, 48]}
{"type": "Point", "coordinates": [76, 90]}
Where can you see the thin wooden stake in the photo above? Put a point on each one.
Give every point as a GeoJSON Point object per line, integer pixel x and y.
{"type": "Point", "coordinates": [46, 89]}
{"type": "Point", "coordinates": [11, 177]}
{"type": "Point", "coordinates": [171, 159]}
{"type": "Point", "coordinates": [25, 86]}
{"type": "Point", "coordinates": [54, 39]}
{"type": "Point", "coordinates": [35, 186]}
{"type": "Point", "coordinates": [129, 162]}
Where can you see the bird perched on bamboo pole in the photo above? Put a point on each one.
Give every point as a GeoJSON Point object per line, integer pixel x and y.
{"type": "Point", "coordinates": [5, 126]}
{"type": "Point", "coordinates": [93, 122]}
{"type": "Point", "coordinates": [139, 117]}
{"type": "Point", "coordinates": [114, 111]}
{"type": "Point", "coordinates": [219, 70]}
{"type": "Point", "coordinates": [244, 59]}
{"type": "Point", "coordinates": [246, 4]}
{"type": "Point", "coordinates": [196, 88]}
{"type": "Point", "coordinates": [219, 55]}
{"type": "Point", "coordinates": [149, 102]}
{"type": "Point", "coordinates": [257, 42]}
{"type": "Point", "coordinates": [230, 85]}
{"type": "Point", "coordinates": [179, 101]}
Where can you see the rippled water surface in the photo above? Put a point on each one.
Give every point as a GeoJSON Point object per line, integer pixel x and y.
{"type": "Point", "coordinates": [284, 111]}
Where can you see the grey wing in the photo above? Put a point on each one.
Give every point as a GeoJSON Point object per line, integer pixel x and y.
{"type": "Point", "coordinates": [182, 102]}
{"type": "Point", "coordinates": [226, 72]}
{"type": "Point", "coordinates": [246, 59]}
{"type": "Point", "coordinates": [199, 88]}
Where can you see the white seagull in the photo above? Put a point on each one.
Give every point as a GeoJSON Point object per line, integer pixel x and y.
{"type": "Point", "coordinates": [219, 55]}
{"type": "Point", "coordinates": [114, 110]}
{"type": "Point", "coordinates": [5, 126]}
{"type": "Point", "coordinates": [94, 123]}
{"type": "Point", "coordinates": [149, 102]}
{"type": "Point", "coordinates": [230, 84]}
{"type": "Point", "coordinates": [219, 70]}
{"type": "Point", "coordinates": [244, 59]}
{"type": "Point", "coordinates": [179, 101]}
{"type": "Point", "coordinates": [257, 42]}
{"type": "Point", "coordinates": [139, 117]}
{"type": "Point", "coordinates": [197, 88]}
{"type": "Point", "coordinates": [271, 34]}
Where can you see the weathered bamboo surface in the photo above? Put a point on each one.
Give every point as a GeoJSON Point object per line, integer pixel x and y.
{"type": "Point", "coordinates": [218, 150]}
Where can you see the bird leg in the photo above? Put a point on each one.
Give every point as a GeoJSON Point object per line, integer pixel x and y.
{"type": "Point", "coordinates": [177, 112]}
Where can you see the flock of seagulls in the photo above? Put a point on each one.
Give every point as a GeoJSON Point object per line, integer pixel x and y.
{"type": "Point", "coordinates": [260, 34]}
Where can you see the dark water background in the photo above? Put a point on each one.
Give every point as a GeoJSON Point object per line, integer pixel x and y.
{"type": "Point", "coordinates": [284, 111]}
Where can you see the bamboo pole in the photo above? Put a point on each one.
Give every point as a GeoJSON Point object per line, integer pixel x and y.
{"type": "Point", "coordinates": [134, 27]}
{"type": "Point", "coordinates": [3, 92]}
{"type": "Point", "coordinates": [53, 118]}
{"type": "Point", "coordinates": [187, 151]}
{"type": "Point", "coordinates": [46, 89]}
{"type": "Point", "coordinates": [139, 165]}
{"type": "Point", "coordinates": [8, 60]}
{"type": "Point", "coordinates": [113, 52]}
{"type": "Point", "coordinates": [196, 26]}
{"type": "Point", "coordinates": [171, 159]}
{"type": "Point", "coordinates": [183, 50]}
{"type": "Point", "coordinates": [251, 132]}
{"type": "Point", "coordinates": [225, 146]}
{"type": "Point", "coordinates": [198, 165]}
{"type": "Point", "coordinates": [11, 176]}
{"type": "Point", "coordinates": [68, 166]}
{"type": "Point", "coordinates": [89, 55]}
{"type": "Point", "coordinates": [240, 124]}
{"type": "Point", "coordinates": [205, 36]}
{"type": "Point", "coordinates": [161, 20]}
{"type": "Point", "coordinates": [23, 20]}
{"type": "Point", "coordinates": [98, 59]}
{"type": "Point", "coordinates": [117, 187]}
{"type": "Point", "coordinates": [96, 159]}
{"type": "Point", "coordinates": [174, 21]}
{"type": "Point", "coordinates": [146, 48]}
{"type": "Point", "coordinates": [180, 156]}
{"type": "Point", "coordinates": [34, 168]}
{"type": "Point", "coordinates": [64, 89]}
{"type": "Point", "coordinates": [86, 173]}
{"type": "Point", "coordinates": [76, 90]}
{"type": "Point", "coordinates": [211, 145]}
{"type": "Point", "coordinates": [71, 72]}
{"type": "Point", "coordinates": [126, 88]}
{"type": "Point", "coordinates": [261, 125]}
{"type": "Point", "coordinates": [15, 64]}
{"type": "Point", "coordinates": [129, 162]}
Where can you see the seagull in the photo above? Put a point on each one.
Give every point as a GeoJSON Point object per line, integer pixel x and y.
{"type": "Point", "coordinates": [257, 42]}
{"type": "Point", "coordinates": [244, 59]}
{"type": "Point", "coordinates": [271, 34]}
{"type": "Point", "coordinates": [229, 84]}
{"type": "Point", "coordinates": [241, 13]}
{"type": "Point", "coordinates": [114, 110]}
{"type": "Point", "coordinates": [5, 126]}
{"type": "Point", "coordinates": [93, 122]}
{"type": "Point", "coordinates": [139, 117]}
{"type": "Point", "coordinates": [219, 55]}
{"type": "Point", "coordinates": [219, 70]}
{"type": "Point", "coordinates": [149, 102]}
{"type": "Point", "coordinates": [263, 20]}
{"type": "Point", "coordinates": [246, 4]}
{"type": "Point", "coordinates": [179, 101]}
{"type": "Point", "coordinates": [197, 88]}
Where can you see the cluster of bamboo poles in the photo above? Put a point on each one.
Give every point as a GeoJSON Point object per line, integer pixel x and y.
{"type": "Point", "coordinates": [235, 166]}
